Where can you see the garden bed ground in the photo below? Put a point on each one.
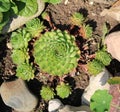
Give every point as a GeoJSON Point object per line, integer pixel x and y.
{"type": "Point", "coordinates": [60, 18]}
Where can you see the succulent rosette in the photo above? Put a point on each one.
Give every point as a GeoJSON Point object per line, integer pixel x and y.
{"type": "Point", "coordinates": [56, 52]}
{"type": "Point", "coordinates": [63, 90]}
{"type": "Point", "coordinates": [47, 93]}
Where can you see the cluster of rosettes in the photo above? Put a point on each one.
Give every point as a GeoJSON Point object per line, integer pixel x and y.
{"type": "Point", "coordinates": [56, 52]}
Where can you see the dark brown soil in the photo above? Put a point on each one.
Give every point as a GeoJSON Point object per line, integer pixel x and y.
{"type": "Point", "coordinates": [61, 13]}
{"type": "Point", "coordinates": [60, 18]}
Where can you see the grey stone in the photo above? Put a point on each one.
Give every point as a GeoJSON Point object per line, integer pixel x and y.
{"type": "Point", "coordinates": [56, 105]}
{"type": "Point", "coordinates": [112, 42]}
{"type": "Point", "coordinates": [96, 82]}
{"type": "Point", "coordinates": [69, 108]}
{"type": "Point", "coordinates": [16, 95]}
{"type": "Point", "coordinates": [113, 12]}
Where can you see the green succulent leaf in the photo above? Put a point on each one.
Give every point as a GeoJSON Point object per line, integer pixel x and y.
{"type": "Point", "coordinates": [77, 19]}
{"type": "Point", "coordinates": [88, 31]}
{"type": "Point", "coordinates": [47, 93]}
{"type": "Point", "coordinates": [4, 5]}
{"type": "Point", "coordinates": [27, 7]}
{"type": "Point", "coordinates": [19, 57]}
{"type": "Point", "coordinates": [19, 39]}
{"type": "Point", "coordinates": [103, 57]}
{"type": "Point", "coordinates": [1, 17]}
{"type": "Point", "coordinates": [52, 1]}
{"type": "Point", "coordinates": [104, 30]}
{"type": "Point", "coordinates": [114, 80]}
{"type": "Point", "coordinates": [5, 19]}
{"type": "Point", "coordinates": [25, 71]}
{"type": "Point", "coordinates": [45, 15]}
{"type": "Point", "coordinates": [95, 67]}
{"type": "Point", "coordinates": [63, 90]}
{"type": "Point", "coordinates": [13, 9]}
{"type": "Point", "coordinates": [56, 52]}
{"type": "Point", "coordinates": [35, 27]}
{"type": "Point", "coordinates": [100, 101]}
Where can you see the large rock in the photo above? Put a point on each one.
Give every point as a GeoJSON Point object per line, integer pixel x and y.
{"type": "Point", "coordinates": [18, 21]}
{"type": "Point", "coordinates": [96, 82]}
{"type": "Point", "coordinates": [113, 12]}
{"type": "Point", "coordinates": [113, 44]}
{"type": "Point", "coordinates": [16, 95]}
{"type": "Point", "coordinates": [56, 105]}
{"type": "Point", "coordinates": [69, 108]}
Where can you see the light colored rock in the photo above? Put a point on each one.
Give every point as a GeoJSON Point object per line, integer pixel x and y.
{"type": "Point", "coordinates": [113, 12]}
{"type": "Point", "coordinates": [18, 21]}
{"type": "Point", "coordinates": [96, 82]}
{"type": "Point", "coordinates": [113, 44]}
{"type": "Point", "coordinates": [56, 105]}
{"type": "Point", "coordinates": [69, 108]}
{"type": "Point", "coordinates": [16, 95]}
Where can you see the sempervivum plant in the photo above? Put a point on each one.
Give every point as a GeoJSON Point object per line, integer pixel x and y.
{"type": "Point", "coordinates": [47, 93]}
{"type": "Point", "coordinates": [104, 57]}
{"type": "Point", "coordinates": [95, 67]}
{"type": "Point", "coordinates": [63, 90]}
{"type": "Point", "coordinates": [34, 27]}
{"type": "Point", "coordinates": [56, 52]}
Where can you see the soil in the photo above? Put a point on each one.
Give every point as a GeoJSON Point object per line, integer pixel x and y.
{"type": "Point", "coordinates": [60, 15]}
